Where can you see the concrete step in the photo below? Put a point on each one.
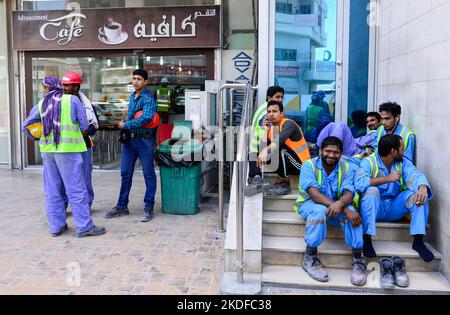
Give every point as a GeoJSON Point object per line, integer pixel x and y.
{"type": "Point", "coordinates": [282, 203]}
{"type": "Point", "coordinates": [339, 279]}
{"type": "Point", "coordinates": [289, 251]}
{"type": "Point", "coordinates": [279, 223]}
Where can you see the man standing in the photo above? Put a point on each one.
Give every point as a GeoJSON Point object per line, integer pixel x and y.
{"type": "Point", "coordinates": [326, 194]}
{"type": "Point", "coordinates": [141, 145]}
{"type": "Point", "coordinates": [163, 97]}
{"type": "Point", "coordinates": [287, 148]}
{"type": "Point", "coordinates": [71, 83]}
{"type": "Point", "coordinates": [390, 120]}
{"type": "Point", "coordinates": [256, 183]}
{"type": "Point", "coordinates": [392, 187]}
{"type": "Point", "coordinates": [61, 143]}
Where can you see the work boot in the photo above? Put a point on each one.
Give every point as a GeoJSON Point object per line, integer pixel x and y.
{"type": "Point", "coordinates": [313, 266]}
{"type": "Point", "coordinates": [61, 232]}
{"type": "Point", "coordinates": [280, 188]}
{"type": "Point", "coordinates": [94, 231]}
{"type": "Point", "coordinates": [387, 280]}
{"type": "Point", "coordinates": [359, 275]}
{"type": "Point", "coordinates": [401, 277]}
{"type": "Point", "coordinates": [148, 215]}
{"type": "Point", "coordinates": [116, 212]}
{"type": "Point", "coordinates": [256, 185]}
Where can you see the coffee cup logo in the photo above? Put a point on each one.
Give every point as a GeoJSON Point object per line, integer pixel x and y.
{"type": "Point", "coordinates": [112, 33]}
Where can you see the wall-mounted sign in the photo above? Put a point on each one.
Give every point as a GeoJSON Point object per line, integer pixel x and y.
{"type": "Point", "coordinates": [238, 65]}
{"type": "Point", "coordinates": [165, 27]}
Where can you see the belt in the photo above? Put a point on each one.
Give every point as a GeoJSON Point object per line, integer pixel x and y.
{"type": "Point", "coordinates": [139, 135]}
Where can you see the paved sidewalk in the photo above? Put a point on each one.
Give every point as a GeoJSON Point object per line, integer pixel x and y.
{"type": "Point", "coordinates": [169, 255]}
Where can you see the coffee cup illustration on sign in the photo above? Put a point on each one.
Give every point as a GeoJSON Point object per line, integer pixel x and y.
{"type": "Point", "coordinates": [112, 34]}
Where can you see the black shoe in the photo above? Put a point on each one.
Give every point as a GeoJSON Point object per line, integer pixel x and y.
{"type": "Point", "coordinates": [61, 232]}
{"type": "Point", "coordinates": [387, 280]}
{"type": "Point", "coordinates": [94, 231]}
{"type": "Point", "coordinates": [117, 212]}
{"type": "Point", "coordinates": [148, 215]}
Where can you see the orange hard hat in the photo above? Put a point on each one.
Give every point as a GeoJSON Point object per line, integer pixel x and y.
{"type": "Point", "coordinates": [72, 78]}
{"type": "Point", "coordinates": [153, 123]}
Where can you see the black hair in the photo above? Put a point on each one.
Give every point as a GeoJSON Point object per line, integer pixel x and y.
{"type": "Point", "coordinates": [271, 91]}
{"type": "Point", "coordinates": [332, 141]}
{"type": "Point", "coordinates": [391, 107]}
{"type": "Point", "coordinates": [374, 114]}
{"type": "Point", "coordinates": [279, 104]}
{"type": "Point", "coordinates": [359, 118]}
{"type": "Point", "coordinates": [141, 72]}
{"type": "Point", "coordinates": [387, 143]}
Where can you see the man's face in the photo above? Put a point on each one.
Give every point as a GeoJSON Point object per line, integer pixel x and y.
{"type": "Point", "coordinates": [372, 123]}
{"type": "Point", "coordinates": [139, 83]}
{"type": "Point", "coordinates": [278, 97]}
{"type": "Point", "coordinates": [398, 154]}
{"type": "Point", "coordinates": [388, 120]}
{"type": "Point", "coordinates": [274, 114]}
{"type": "Point", "coordinates": [331, 155]}
{"type": "Point", "coordinates": [45, 88]}
{"type": "Point", "coordinates": [69, 89]}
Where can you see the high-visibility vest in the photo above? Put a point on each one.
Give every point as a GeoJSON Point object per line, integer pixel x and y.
{"type": "Point", "coordinates": [258, 131]}
{"type": "Point", "coordinates": [163, 99]}
{"type": "Point", "coordinates": [375, 170]}
{"type": "Point", "coordinates": [342, 172]}
{"type": "Point", "coordinates": [299, 147]}
{"type": "Point", "coordinates": [71, 138]}
{"type": "Point", "coordinates": [404, 134]}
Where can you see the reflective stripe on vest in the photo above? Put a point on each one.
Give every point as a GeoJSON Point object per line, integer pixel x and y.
{"type": "Point", "coordinates": [300, 148]}
{"type": "Point", "coordinates": [375, 170]}
{"type": "Point", "coordinates": [71, 139]}
{"type": "Point", "coordinates": [258, 132]}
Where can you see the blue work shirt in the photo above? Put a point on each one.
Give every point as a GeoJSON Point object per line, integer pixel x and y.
{"type": "Point", "coordinates": [146, 102]}
{"type": "Point", "coordinates": [329, 185]}
{"type": "Point", "coordinates": [410, 149]}
{"type": "Point", "coordinates": [412, 178]}
{"type": "Point", "coordinates": [77, 114]}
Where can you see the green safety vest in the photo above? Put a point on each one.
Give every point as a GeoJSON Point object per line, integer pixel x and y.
{"type": "Point", "coordinates": [375, 170]}
{"type": "Point", "coordinates": [404, 134]}
{"type": "Point", "coordinates": [71, 138]}
{"type": "Point", "coordinates": [304, 196]}
{"type": "Point", "coordinates": [163, 99]}
{"type": "Point", "coordinates": [258, 130]}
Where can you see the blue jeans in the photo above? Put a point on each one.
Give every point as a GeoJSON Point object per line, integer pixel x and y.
{"type": "Point", "coordinates": [141, 148]}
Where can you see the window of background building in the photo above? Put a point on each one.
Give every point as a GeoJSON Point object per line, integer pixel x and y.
{"type": "Point", "coordinates": [4, 113]}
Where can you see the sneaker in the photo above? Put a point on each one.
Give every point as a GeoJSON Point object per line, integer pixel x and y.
{"type": "Point", "coordinates": [387, 273]}
{"type": "Point", "coordinates": [256, 185]}
{"type": "Point", "coordinates": [116, 212]}
{"type": "Point", "coordinates": [359, 274]}
{"type": "Point", "coordinates": [280, 188]}
{"type": "Point", "coordinates": [94, 231]}
{"type": "Point", "coordinates": [148, 215]}
{"type": "Point", "coordinates": [61, 232]}
{"type": "Point", "coordinates": [400, 275]}
{"type": "Point", "coordinates": [313, 266]}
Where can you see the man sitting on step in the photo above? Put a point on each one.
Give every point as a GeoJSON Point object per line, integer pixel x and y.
{"type": "Point", "coordinates": [287, 149]}
{"type": "Point", "coordinates": [326, 196]}
{"type": "Point", "coordinates": [391, 188]}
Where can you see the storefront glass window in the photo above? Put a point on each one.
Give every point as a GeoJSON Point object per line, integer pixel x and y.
{"type": "Point", "coordinates": [305, 61]}
{"type": "Point", "coordinates": [107, 83]}
{"type": "Point", "coordinates": [4, 120]}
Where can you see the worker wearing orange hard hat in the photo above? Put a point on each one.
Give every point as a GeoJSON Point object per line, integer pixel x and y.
{"type": "Point", "coordinates": [71, 82]}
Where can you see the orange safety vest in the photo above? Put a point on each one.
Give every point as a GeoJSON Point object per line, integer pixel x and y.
{"type": "Point", "coordinates": [299, 147]}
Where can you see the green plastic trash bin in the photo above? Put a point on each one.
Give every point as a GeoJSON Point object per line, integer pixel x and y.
{"type": "Point", "coordinates": [180, 186]}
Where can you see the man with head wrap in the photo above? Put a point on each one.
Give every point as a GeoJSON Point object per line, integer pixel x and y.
{"type": "Point", "coordinates": [61, 144]}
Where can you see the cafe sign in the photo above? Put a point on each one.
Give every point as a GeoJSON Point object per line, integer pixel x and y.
{"type": "Point", "coordinates": [166, 27]}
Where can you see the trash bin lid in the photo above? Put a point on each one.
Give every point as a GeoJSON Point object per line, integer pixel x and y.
{"type": "Point", "coordinates": [181, 146]}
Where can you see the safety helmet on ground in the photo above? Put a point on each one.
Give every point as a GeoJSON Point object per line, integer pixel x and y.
{"type": "Point", "coordinates": [35, 130]}
{"type": "Point", "coordinates": [72, 78]}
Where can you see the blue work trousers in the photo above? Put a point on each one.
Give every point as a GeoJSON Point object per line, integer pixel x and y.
{"type": "Point", "coordinates": [316, 219]}
{"type": "Point", "coordinates": [374, 209]}
{"type": "Point", "coordinates": [141, 148]}
{"type": "Point", "coordinates": [64, 172]}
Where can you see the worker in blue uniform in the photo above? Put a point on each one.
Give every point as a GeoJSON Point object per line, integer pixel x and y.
{"type": "Point", "coordinates": [392, 187]}
{"type": "Point", "coordinates": [326, 193]}
{"type": "Point", "coordinates": [61, 144]}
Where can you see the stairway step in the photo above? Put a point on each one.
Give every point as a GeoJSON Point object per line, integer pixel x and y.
{"type": "Point", "coordinates": [281, 203]}
{"type": "Point", "coordinates": [296, 277]}
{"type": "Point", "coordinates": [280, 223]}
{"type": "Point", "coordinates": [277, 250]}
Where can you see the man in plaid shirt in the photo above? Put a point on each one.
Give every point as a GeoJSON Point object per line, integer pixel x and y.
{"type": "Point", "coordinates": [141, 145]}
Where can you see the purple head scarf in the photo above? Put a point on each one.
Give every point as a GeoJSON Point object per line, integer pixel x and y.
{"type": "Point", "coordinates": [51, 108]}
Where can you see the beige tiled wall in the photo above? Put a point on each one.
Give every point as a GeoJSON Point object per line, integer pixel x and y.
{"type": "Point", "coordinates": [414, 70]}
